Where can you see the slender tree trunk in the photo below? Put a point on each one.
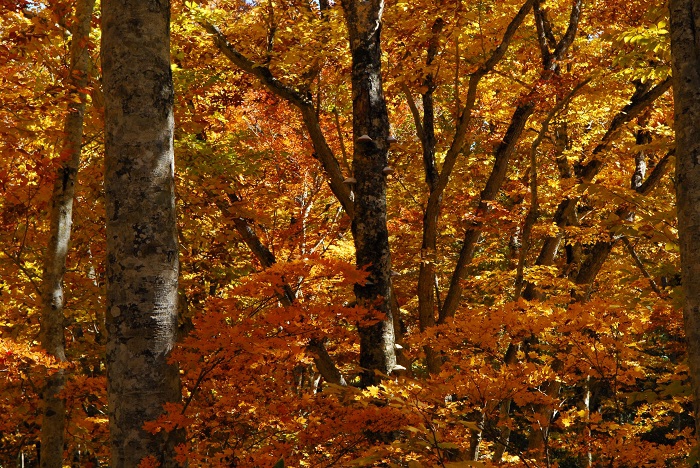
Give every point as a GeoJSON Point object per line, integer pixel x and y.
{"type": "Point", "coordinates": [493, 185]}
{"type": "Point", "coordinates": [685, 51]}
{"type": "Point", "coordinates": [142, 246]}
{"type": "Point", "coordinates": [306, 107]}
{"type": "Point", "coordinates": [565, 214]}
{"type": "Point", "coordinates": [584, 280]}
{"type": "Point", "coordinates": [324, 363]}
{"type": "Point", "coordinates": [427, 292]}
{"type": "Point", "coordinates": [371, 130]}
{"type": "Point", "coordinates": [51, 333]}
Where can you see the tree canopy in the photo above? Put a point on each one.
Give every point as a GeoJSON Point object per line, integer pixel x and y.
{"type": "Point", "coordinates": [526, 293]}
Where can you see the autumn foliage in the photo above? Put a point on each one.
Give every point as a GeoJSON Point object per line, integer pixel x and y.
{"type": "Point", "coordinates": [575, 361]}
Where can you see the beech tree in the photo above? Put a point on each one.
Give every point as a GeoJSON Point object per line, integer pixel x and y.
{"type": "Point", "coordinates": [520, 231]}
{"type": "Point", "coordinates": [61, 214]}
{"type": "Point", "coordinates": [363, 193]}
{"type": "Point", "coordinates": [370, 166]}
{"type": "Point", "coordinates": [142, 245]}
{"type": "Point", "coordinates": [685, 50]}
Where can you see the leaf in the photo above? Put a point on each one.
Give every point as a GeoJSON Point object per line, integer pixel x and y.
{"type": "Point", "coordinates": [693, 456]}
{"type": "Point", "coordinates": [449, 445]}
{"type": "Point", "coordinates": [365, 461]}
{"type": "Point", "coordinates": [470, 425]}
{"type": "Point", "coordinates": [677, 388]}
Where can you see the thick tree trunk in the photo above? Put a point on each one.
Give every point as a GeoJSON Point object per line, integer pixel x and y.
{"type": "Point", "coordinates": [51, 332]}
{"type": "Point", "coordinates": [371, 130]}
{"type": "Point", "coordinates": [142, 246]}
{"type": "Point", "coordinates": [685, 50]}
{"type": "Point", "coordinates": [428, 291]}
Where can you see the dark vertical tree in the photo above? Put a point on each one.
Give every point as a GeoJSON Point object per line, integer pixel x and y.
{"type": "Point", "coordinates": [685, 50]}
{"type": "Point", "coordinates": [142, 246]}
{"type": "Point", "coordinates": [371, 133]}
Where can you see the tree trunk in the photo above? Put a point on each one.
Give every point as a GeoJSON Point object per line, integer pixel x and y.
{"type": "Point", "coordinates": [142, 246]}
{"type": "Point", "coordinates": [370, 130]}
{"type": "Point", "coordinates": [493, 185]}
{"type": "Point", "coordinates": [685, 51]}
{"type": "Point", "coordinates": [427, 291]}
{"type": "Point", "coordinates": [51, 329]}
{"type": "Point", "coordinates": [565, 213]}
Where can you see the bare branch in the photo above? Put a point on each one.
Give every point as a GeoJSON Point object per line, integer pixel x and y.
{"type": "Point", "coordinates": [414, 112]}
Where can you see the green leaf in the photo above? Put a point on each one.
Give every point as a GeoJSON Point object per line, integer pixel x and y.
{"type": "Point", "coordinates": [279, 464]}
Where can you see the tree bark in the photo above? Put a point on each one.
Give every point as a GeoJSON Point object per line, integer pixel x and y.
{"type": "Point", "coordinates": [685, 52]}
{"type": "Point", "coordinates": [61, 216]}
{"type": "Point", "coordinates": [427, 292]}
{"type": "Point", "coordinates": [437, 180]}
{"type": "Point", "coordinates": [142, 246]}
{"type": "Point", "coordinates": [370, 119]}
{"type": "Point", "coordinates": [584, 280]}
{"type": "Point", "coordinates": [493, 185]}
{"type": "Point", "coordinates": [522, 113]}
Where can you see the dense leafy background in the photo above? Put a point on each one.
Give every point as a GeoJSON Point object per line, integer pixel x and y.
{"type": "Point", "coordinates": [599, 366]}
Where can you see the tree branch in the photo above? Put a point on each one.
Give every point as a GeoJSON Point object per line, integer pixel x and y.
{"type": "Point", "coordinates": [324, 363]}
{"type": "Point", "coordinates": [414, 112]}
{"type": "Point", "coordinates": [570, 34]}
{"type": "Point", "coordinates": [303, 102]}
{"type": "Point", "coordinates": [657, 174]}
{"type": "Point", "coordinates": [474, 79]}
{"type": "Point", "coordinates": [638, 103]}
{"type": "Point", "coordinates": [640, 265]}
